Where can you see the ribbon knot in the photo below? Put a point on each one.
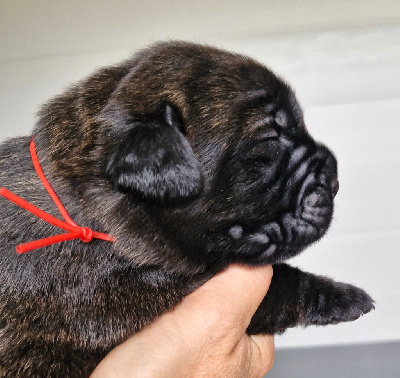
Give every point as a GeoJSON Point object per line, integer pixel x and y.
{"type": "Point", "coordinates": [85, 234]}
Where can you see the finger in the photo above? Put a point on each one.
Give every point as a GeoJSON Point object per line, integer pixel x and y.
{"type": "Point", "coordinates": [262, 353]}
{"type": "Point", "coordinates": [232, 296]}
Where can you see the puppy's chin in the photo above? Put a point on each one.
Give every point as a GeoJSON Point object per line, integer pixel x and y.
{"type": "Point", "coordinates": [276, 241]}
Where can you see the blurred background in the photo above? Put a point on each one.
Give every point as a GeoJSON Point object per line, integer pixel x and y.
{"type": "Point", "coordinates": [343, 59]}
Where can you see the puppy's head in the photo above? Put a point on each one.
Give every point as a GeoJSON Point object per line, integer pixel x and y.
{"type": "Point", "coordinates": [212, 147]}
{"type": "Point", "coordinates": [215, 144]}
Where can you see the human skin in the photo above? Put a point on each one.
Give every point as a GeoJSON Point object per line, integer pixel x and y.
{"type": "Point", "coordinates": [204, 336]}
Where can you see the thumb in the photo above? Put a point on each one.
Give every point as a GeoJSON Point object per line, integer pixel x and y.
{"type": "Point", "coordinates": [233, 295]}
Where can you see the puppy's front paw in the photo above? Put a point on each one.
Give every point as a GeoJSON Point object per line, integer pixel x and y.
{"type": "Point", "coordinates": [300, 298]}
{"type": "Point", "coordinates": [327, 302]}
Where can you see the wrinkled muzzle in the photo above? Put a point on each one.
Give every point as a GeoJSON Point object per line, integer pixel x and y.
{"type": "Point", "coordinates": [316, 176]}
{"type": "Point", "coordinates": [311, 186]}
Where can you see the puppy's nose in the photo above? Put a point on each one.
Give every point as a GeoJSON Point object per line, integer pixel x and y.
{"type": "Point", "coordinates": [335, 186]}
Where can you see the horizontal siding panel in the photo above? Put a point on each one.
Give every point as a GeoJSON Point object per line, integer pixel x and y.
{"type": "Point", "coordinates": [335, 66]}
{"type": "Point", "coordinates": [48, 27]}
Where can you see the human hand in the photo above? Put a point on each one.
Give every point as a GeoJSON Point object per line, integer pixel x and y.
{"type": "Point", "coordinates": [204, 336]}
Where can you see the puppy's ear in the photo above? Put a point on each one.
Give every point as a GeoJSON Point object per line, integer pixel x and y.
{"type": "Point", "coordinates": [154, 158]}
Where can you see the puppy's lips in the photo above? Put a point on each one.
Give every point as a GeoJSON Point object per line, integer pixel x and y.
{"type": "Point", "coordinates": [314, 203]}
{"type": "Point", "coordinates": [316, 208]}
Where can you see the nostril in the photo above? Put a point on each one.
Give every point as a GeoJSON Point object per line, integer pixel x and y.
{"type": "Point", "coordinates": [335, 186]}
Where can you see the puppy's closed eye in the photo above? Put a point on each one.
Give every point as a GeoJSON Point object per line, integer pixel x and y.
{"type": "Point", "coordinates": [263, 129]}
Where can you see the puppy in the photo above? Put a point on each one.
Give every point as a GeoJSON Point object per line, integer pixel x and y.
{"type": "Point", "coordinates": [189, 159]}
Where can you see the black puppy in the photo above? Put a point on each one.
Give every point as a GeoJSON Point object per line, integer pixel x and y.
{"type": "Point", "coordinates": [191, 158]}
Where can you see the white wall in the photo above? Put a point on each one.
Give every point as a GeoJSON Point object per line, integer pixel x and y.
{"type": "Point", "coordinates": [343, 59]}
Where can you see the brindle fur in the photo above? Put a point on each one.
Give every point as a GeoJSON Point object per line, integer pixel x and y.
{"type": "Point", "coordinates": [225, 142]}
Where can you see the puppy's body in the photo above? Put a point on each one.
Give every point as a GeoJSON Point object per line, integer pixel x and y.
{"type": "Point", "coordinates": [192, 158]}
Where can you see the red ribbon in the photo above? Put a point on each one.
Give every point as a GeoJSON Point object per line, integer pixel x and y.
{"type": "Point", "coordinates": [85, 234]}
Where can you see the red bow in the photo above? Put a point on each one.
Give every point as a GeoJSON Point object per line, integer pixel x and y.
{"type": "Point", "coordinates": [85, 234]}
